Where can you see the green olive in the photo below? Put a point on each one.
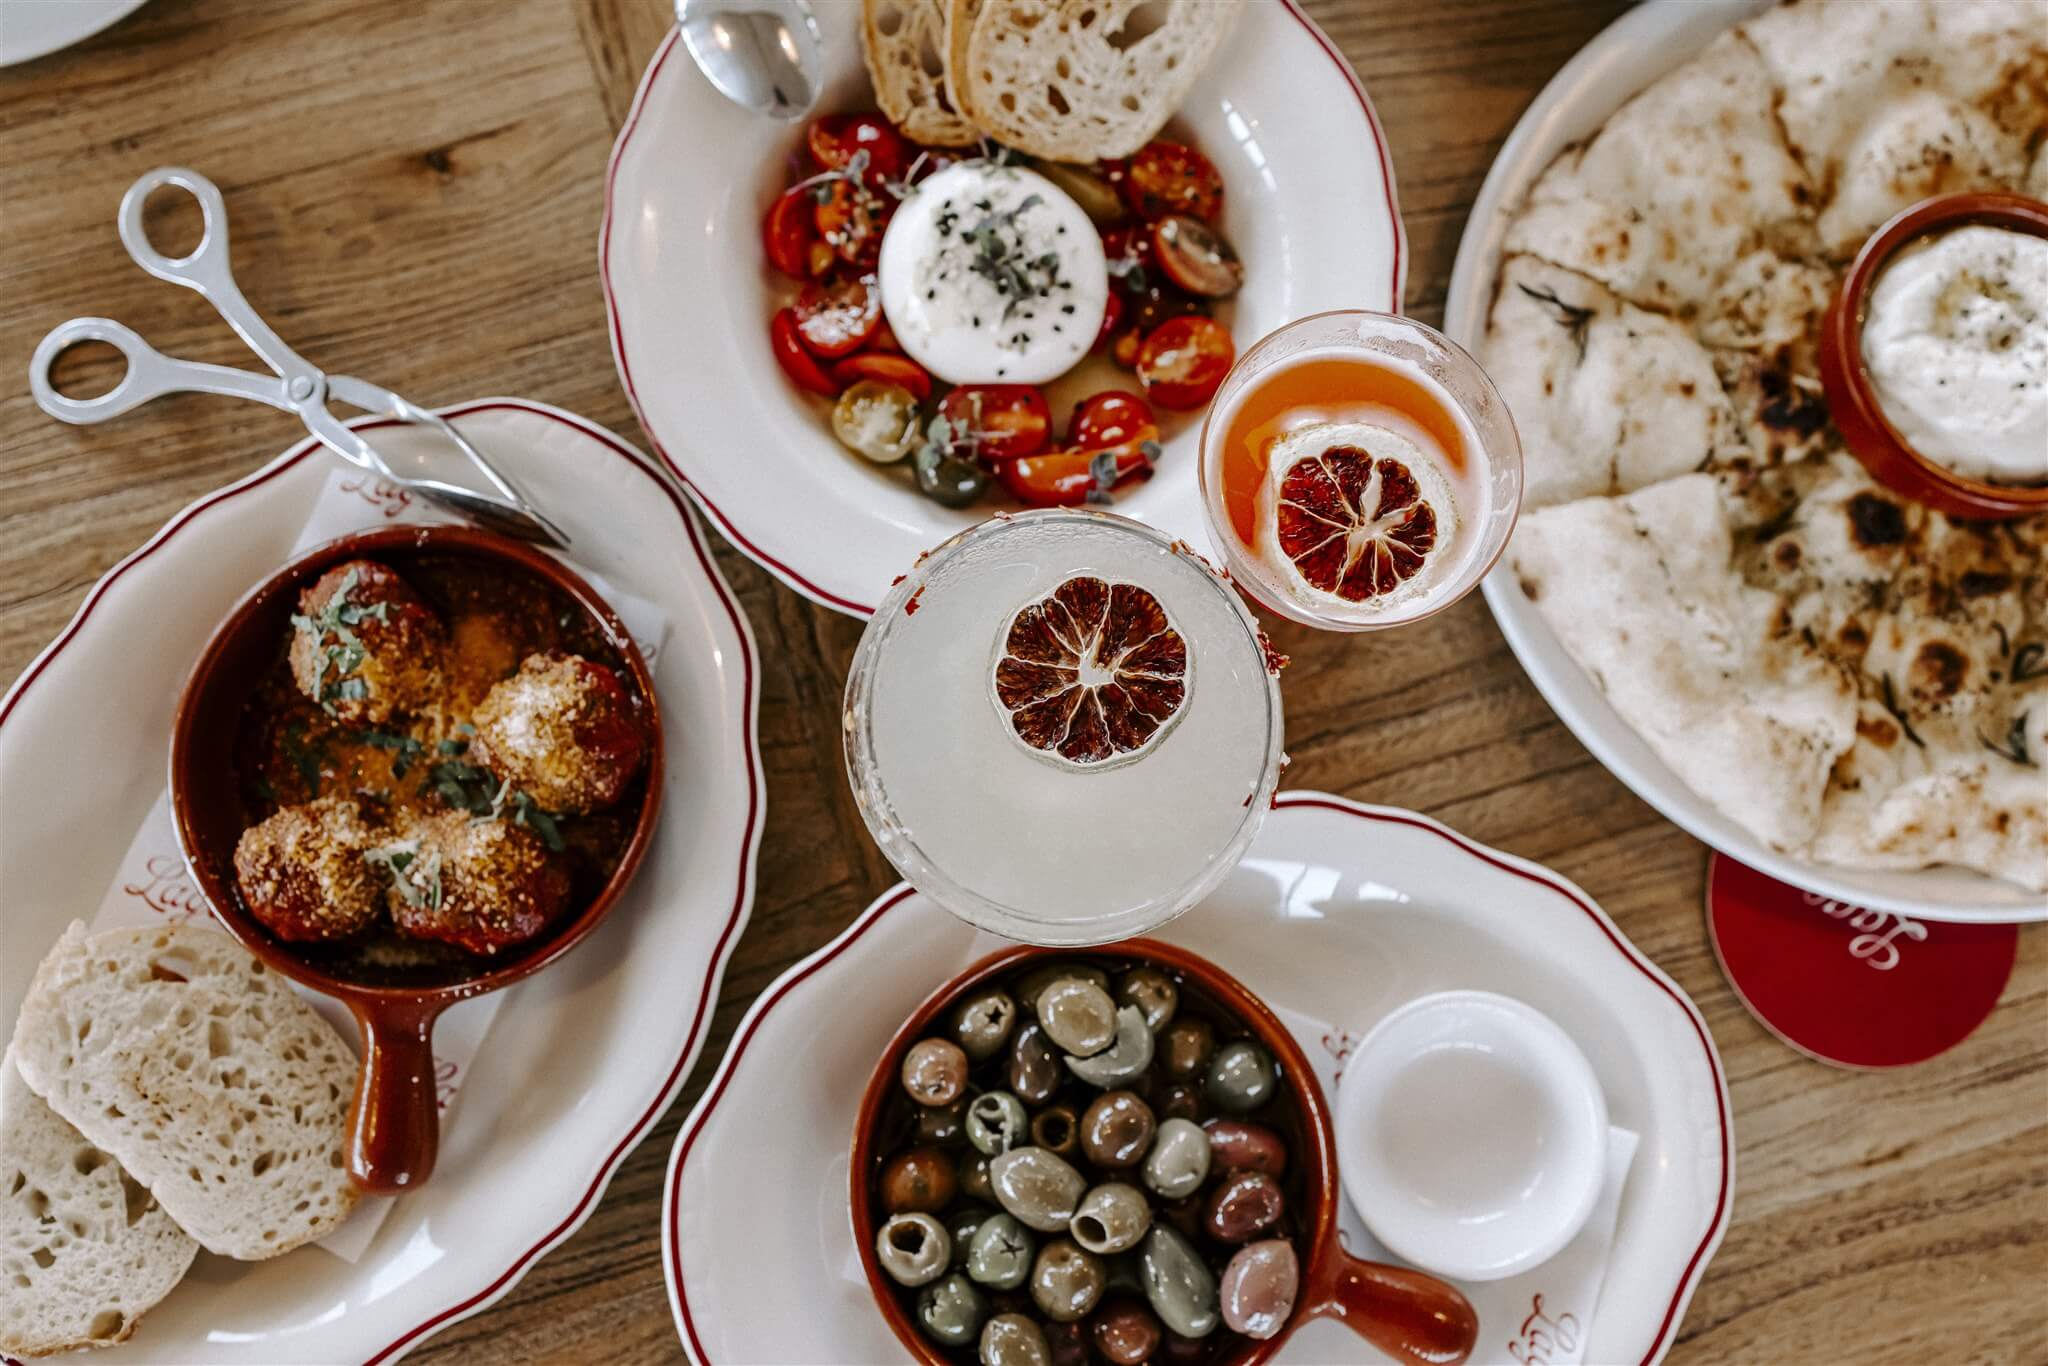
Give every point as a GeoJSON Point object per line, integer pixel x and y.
{"type": "Point", "coordinates": [1123, 1061]}
{"type": "Point", "coordinates": [876, 419]}
{"type": "Point", "coordinates": [1087, 187]}
{"type": "Point", "coordinates": [999, 1255]}
{"type": "Point", "coordinates": [1014, 1340]}
{"type": "Point", "coordinates": [914, 1248]}
{"type": "Point", "coordinates": [996, 1122]}
{"type": "Point", "coordinates": [1179, 1161]}
{"type": "Point", "coordinates": [951, 1311]}
{"type": "Point", "coordinates": [1151, 991]}
{"type": "Point", "coordinates": [1066, 1281]}
{"type": "Point", "coordinates": [947, 480]}
{"type": "Point", "coordinates": [983, 1023]}
{"type": "Point", "coordinates": [1178, 1284]}
{"type": "Point", "coordinates": [1039, 1187]}
{"type": "Point", "coordinates": [1078, 1015]}
{"type": "Point", "coordinates": [1112, 1218]}
{"type": "Point", "coordinates": [1242, 1077]}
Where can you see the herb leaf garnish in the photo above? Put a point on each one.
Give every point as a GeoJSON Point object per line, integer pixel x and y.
{"type": "Point", "coordinates": [346, 653]}
{"type": "Point", "coordinates": [416, 877]}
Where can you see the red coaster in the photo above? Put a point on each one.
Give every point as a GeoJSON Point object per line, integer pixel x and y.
{"type": "Point", "coordinates": [1850, 986]}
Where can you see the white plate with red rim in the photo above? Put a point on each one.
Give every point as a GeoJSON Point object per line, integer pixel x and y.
{"type": "Point", "coordinates": [1340, 912]}
{"type": "Point", "coordinates": [1308, 203]}
{"type": "Point", "coordinates": [526, 1151]}
{"type": "Point", "coordinates": [1628, 55]}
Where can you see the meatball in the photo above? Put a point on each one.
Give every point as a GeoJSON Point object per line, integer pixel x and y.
{"type": "Point", "coordinates": [563, 731]}
{"type": "Point", "coordinates": [365, 646]}
{"type": "Point", "coordinates": [481, 885]}
{"type": "Point", "coordinates": [304, 873]}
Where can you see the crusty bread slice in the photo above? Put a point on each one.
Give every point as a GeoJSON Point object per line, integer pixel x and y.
{"type": "Point", "coordinates": [84, 1250]}
{"type": "Point", "coordinates": [204, 1073]}
{"type": "Point", "coordinates": [1079, 80]}
{"type": "Point", "coordinates": [904, 42]}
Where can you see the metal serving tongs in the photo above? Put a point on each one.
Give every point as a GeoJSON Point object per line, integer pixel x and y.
{"type": "Point", "coordinates": [299, 387]}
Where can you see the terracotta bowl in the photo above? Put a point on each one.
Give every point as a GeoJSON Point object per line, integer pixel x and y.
{"type": "Point", "coordinates": [1409, 1315]}
{"type": "Point", "coordinates": [1852, 398]}
{"type": "Point", "coordinates": [394, 1124]}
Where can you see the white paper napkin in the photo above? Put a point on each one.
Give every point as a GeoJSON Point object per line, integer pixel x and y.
{"type": "Point", "coordinates": [1539, 1318]}
{"type": "Point", "coordinates": [153, 886]}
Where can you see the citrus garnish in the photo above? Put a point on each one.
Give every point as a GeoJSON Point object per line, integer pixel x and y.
{"type": "Point", "coordinates": [1354, 525]}
{"type": "Point", "coordinates": [1092, 673]}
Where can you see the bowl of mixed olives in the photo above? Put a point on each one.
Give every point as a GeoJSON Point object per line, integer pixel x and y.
{"type": "Point", "coordinates": [1114, 1156]}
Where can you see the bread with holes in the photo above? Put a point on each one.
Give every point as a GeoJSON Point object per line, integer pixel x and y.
{"type": "Point", "coordinates": [84, 1249]}
{"type": "Point", "coordinates": [1079, 80]}
{"type": "Point", "coordinates": [205, 1075]}
{"type": "Point", "coordinates": [904, 42]}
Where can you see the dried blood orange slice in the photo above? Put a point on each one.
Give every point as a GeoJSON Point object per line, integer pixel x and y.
{"type": "Point", "coordinates": [1354, 525]}
{"type": "Point", "coordinates": [1093, 673]}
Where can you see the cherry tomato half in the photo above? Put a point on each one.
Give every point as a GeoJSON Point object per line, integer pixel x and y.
{"type": "Point", "coordinates": [797, 363]}
{"type": "Point", "coordinates": [998, 422]}
{"type": "Point", "coordinates": [788, 233]}
{"type": "Point", "coordinates": [1065, 478]}
{"type": "Point", "coordinates": [1196, 257]}
{"type": "Point", "coordinates": [1110, 418]}
{"type": "Point", "coordinates": [836, 138]}
{"type": "Point", "coordinates": [837, 318]}
{"type": "Point", "coordinates": [1183, 362]}
{"type": "Point", "coordinates": [878, 365]}
{"type": "Point", "coordinates": [851, 218]}
{"type": "Point", "coordinates": [1111, 316]}
{"type": "Point", "coordinates": [1170, 177]}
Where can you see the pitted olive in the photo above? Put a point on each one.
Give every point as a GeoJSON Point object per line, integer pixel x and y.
{"type": "Point", "coordinates": [1243, 1205]}
{"type": "Point", "coordinates": [942, 1124]}
{"type": "Point", "coordinates": [982, 1024]}
{"type": "Point", "coordinates": [1259, 1288]}
{"type": "Point", "coordinates": [1057, 1129]}
{"type": "Point", "coordinates": [1116, 1130]}
{"type": "Point", "coordinates": [1180, 1289]}
{"type": "Point", "coordinates": [1112, 1218]}
{"type": "Point", "coordinates": [1066, 1281]}
{"type": "Point", "coordinates": [1123, 1060]}
{"type": "Point", "coordinates": [996, 1122]}
{"type": "Point", "coordinates": [1125, 1332]}
{"type": "Point", "coordinates": [1078, 1016]}
{"type": "Point", "coordinates": [1188, 1044]}
{"type": "Point", "coordinates": [951, 1311]}
{"type": "Point", "coordinates": [1242, 1077]}
{"type": "Point", "coordinates": [1039, 1187]}
{"type": "Point", "coordinates": [918, 1180]}
{"type": "Point", "coordinates": [1000, 1254]}
{"type": "Point", "coordinates": [913, 1248]}
{"type": "Point", "coordinates": [1179, 1161]}
{"type": "Point", "coordinates": [1151, 991]}
{"type": "Point", "coordinates": [934, 1071]}
{"type": "Point", "coordinates": [1034, 1071]}
{"type": "Point", "coordinates": [1013, 1340]}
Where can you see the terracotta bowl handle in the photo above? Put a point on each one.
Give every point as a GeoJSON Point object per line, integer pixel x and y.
{"type": "Point", "coordinates": [394, 1127]}
{"type": "Point", "coordinates": [1407, 1314]}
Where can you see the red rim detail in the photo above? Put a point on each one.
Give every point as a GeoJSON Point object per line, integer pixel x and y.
{"type": "Point", "coordinates": [725, 524]}
{"type": "Point", "coordinates": [759, 1011]}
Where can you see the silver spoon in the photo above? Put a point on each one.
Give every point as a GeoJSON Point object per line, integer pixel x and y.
{"type": "Point", "coordinates": [763, 55]}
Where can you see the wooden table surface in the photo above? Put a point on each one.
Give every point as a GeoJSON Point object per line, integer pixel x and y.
{"type": "Point", "coordinates": [416, 189]}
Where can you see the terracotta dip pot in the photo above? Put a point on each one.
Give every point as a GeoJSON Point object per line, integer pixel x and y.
{"type": "Point", "coordinates": [1407, 1314]}
{"type": "Point", "coordinates": [1852, 397]}
{"type": "Point", "coordinates": [394, 1125]}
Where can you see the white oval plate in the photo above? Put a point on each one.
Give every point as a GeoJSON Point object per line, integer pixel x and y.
{"type": "Point", "coordinates": [581, 1060]}
{"type": "Point", "coordinates": [1633, 51]}
{"type": "Point", "coordinates": [1340, 912]}
{"type": "Point", "coordinates": [36, 28]}
{"type": "Point", "coordinates": [1309, 204]}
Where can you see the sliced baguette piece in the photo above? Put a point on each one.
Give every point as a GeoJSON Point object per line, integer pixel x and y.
{"type": "Point", "coordinates": [904, 42]}
{"type": "Point", "coordinates": [84, 1249]}
{"type": "Point", "coordinates": [203, 1073]}
{"type": "Point", "coordinates": [1079, 80]}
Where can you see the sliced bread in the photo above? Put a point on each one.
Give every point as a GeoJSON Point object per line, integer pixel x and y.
{"type": "Point", "coordinates": [84, 1250]}
{"type": "Point", "coordinates": [1079, 80]}
{"type": "Point", "coordinates": [203, 1073]}
{"type": "Point", "coordinates": [904, 42]}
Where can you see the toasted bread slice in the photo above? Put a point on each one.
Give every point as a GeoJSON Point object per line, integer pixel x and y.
{"type": "Point", "coordinates": [904, 42]}
{"type": "Point", "coordinates": [84, 1249]}
{"type": "Point", "coordinates": [203, 1073]}
{"type": "Point", "coordinates": [1079, 80]}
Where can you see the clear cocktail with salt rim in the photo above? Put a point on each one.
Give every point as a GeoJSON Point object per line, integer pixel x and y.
{"type": "Point", "coordinates": [1063, 726]}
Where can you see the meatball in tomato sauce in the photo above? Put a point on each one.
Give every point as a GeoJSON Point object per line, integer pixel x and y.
{"type": "Point", "coordinates": [305, 872]}
{"type": "Point", "coordinates": [562, 730]}
{"type": "Point", "coordinates": [365, 646]}
{"type": "Point", "coordinates": [481, 885]}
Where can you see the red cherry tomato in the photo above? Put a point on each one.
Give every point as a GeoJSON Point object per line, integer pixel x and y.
{"type": "Point", "coordinates": [1170, 177]}
{"type": "Point", "coordinates": [1128, 250]}
{"type": "Point", "coordinates": [851, 218]}
{"type": "Point", "coordinates": [836, 319]}
{"type": "Point", "coordinates": [886, 368]}
{"type": "Point", "coordinates": [789, 232]}
{"type": "Point", "coordinates": [1065, 478]}
{"type": "Point", "coordinates": [1182, 363]}
{"type": "Point", "coordinates": [797, 363]}
{"type": "Point", "coordinates": [1111, 316]}
{"type": "Point", "coordinates": [836, 138]}
{"type": "Point", "coordinates": [1109, 418]}
{"type": "Point", "coordinates": [998, 422]}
